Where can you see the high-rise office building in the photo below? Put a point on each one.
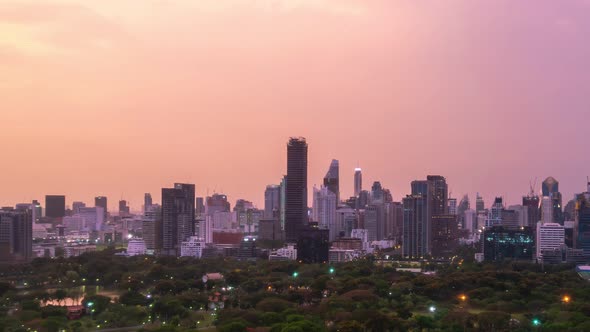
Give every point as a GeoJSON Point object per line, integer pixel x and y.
{"type": "Point", "coordinates": [101, 201]}
{"type": "Point", "coordinates": [463, 206]}
{"type": "Point", "coordinates": [296, 188]}
{"type": "Point", "coordinates": [217, 203]}
{"type": "Point", "coordinates": [514, 244]}
{"type": "Point", "coordinates": [55, 206]}
{"type": "Point", "coordinates": [438, 195]}
{"type": "Point", "coordinates": [550, 186]}
{"type": "Point", "coordinates": [123, 208]}
{"type": "Point", "coordinates": [76, 207]}
{"type": "Point", "coordinates": [376, 193]}
{"type": "Point", "coordinates": [313, 244]}
{"type": "Point", "coordinates": [178, 216]}
{"type": "Point", "coordinates": [479, 204]}
{"type": "Point", "coordinates": [200, 206]}
{"type": "Point", "coordinates": [582, 228]}
{"type": "Point", "coordinates": [358, 181]}
{"type": "Point", "coordinates": [531, 204]}
{"type": "Point", "coordinates": [416, 227]}
{"type": "Point", "coordinates": [452, 206]}
{"type": "Point", "coordinates": [272, 201]}
{"type": "Point", "coordinates": [324, 211]}
{"type": "Point", "coordinates": [444, 235]}
{"type": "Point", "coordinates": [16, 235]}
{"type": "Point", "coordinates": [547, 210]}
{"type": "Point", "coordinates": [550, 236]}
{"type": "Point", "coordinates": [332, 179]}
{"type": "Point", "coordinates": [147, 201]}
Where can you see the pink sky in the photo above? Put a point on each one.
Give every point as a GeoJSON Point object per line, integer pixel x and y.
{"type": "Point", "coordinates": [123, 97]}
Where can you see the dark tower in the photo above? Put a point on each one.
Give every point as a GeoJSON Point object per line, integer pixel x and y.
{"type": "Point", "coordinates": [296, 188]}
{"type": "Point", "coordinates": [332, 179]}
{"type": "Point", "coordinates": [101, 201]}
{"type": "Point", "coordinates": [55, 206]}
{"type": "Point", "coordinates": [178, 216]}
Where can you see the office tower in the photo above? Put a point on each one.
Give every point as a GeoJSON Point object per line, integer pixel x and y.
{"type": "Point", "coordinates": [76, 207]}
{"type": "Point", "coordinates": [582, 239]}
{"type": "Point", "coordinates": [546, 210]}
{"type": "Point", "coordinates": [452, 206]}
{"type": "Point", "coordinates": [93, 218]}
{"type": "Point", "coordinates": [569, 229]}
{"type": "Point", "coordinates": [272, 201]}
{"type": "Point", "coordinates": [346, 221]}
{"type": "Point", "coordinates": [374, 222]}
{"type": "Point", "coordinates": [479, 204]}
{"type": "Point", "coordinates": [332, 180]}
{"type": "Point", "coordinates": [123, 208]}
{"type": "Point", "coordinates": [313, 244]}
{"type": "Point", "coordinates": [55, 206]}
{"type": "Point", "coordinates": [470, 221]}
{"type": "Point", "coordinates": [283, 204]}
{"type": "Point", "coordinates": [101, 201]}
{"type": "Point", "coordinates": [550, 236]}
{"type": "Point", "coordinates": [394, 221]}
{"type": "Point", "coordinates": [500, 243]}
{"type": "Point", "coordinates": [550, 186]}
{"type": "Point", "coordinates": [248, 220]}
{"type": "Point", "coordinates": [243, 205]}
{"type": "Point", "coordinates": [416, 227]}
{"type": "Point", "coordinates": [217, 203]}
{"type": "Point", "coordinates": [363, 199]}
{"type": "Point", "coordinates": [324, 211]}
{"type": "Point", "coordinates": [495, 214]}
{"type": "Point", "coordinates": [511, 218]}
{"type": "Point", "coordinates": [463, 206]}
{"type": "Point", "coordinates": [531, 204]}
{"type": "Point", "coordinates": [569, 211]}
{"type": "Point", "coordinates": [296, 188]}
{"type": "Point", "coordinates": [147, 201]}
{"type": "Point", "coordinates": [178, 216]}
{"type": "Point", "coordinates": [444, 235]}
{"type": "Point", "coordinates": [358, 181]}
{"type": "Point", "coordinates": [37, 211]}
{"type": "Point", "coordinates": [377, 192]}
{"type": "Point", "coordinates": [438, 195]}
{"type": "Point", "coordinates": [387, 196]}
{"type": "Point", "coordinates": [192, 247]}
{"type": "Point", "coordinates": [16, 235]}
{"type": "Point", "coordinates": [200, 206]}
{"type": "Point", "coordinates": [269, 229]}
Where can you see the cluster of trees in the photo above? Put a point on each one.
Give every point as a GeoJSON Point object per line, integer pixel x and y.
{"type": "Point", "coordinates": [168, 294]}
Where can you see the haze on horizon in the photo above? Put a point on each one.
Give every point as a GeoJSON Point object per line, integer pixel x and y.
{"type": "Point", "coordinates": [119, 98]}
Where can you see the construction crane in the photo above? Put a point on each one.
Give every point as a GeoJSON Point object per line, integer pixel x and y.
{"type": "Point", "coordinates": [533, 185]}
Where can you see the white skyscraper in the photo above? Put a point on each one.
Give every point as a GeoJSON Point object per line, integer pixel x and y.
{"type": "Point", "coordinates": [550, 236]}
{"type": "Point", "coordinates": [358, 181]}
{"type": "Point", "coordinates": [324, 210]}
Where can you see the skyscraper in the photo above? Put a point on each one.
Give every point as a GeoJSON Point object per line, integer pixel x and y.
{"type": "Point", "coordinates": [551, 189]}
{"type": "Point", "coordinates": [217, 203]}
{"type": "Point", "coordinates": [479, 204]}
{"type": "Point", "coordinates": [101, 201]}
{"type": "Point", "coordinates": [324, 210]}
{"type": "Point", "coordinates": [147, 201]}
{"type": "Point", "coordinates": [296, 188]}
{"type": "Point", "coordinates": [55, 206]}
{"type": "Point", "coordinates": [531, 204]}
{"type": "Point", "coordinates": [272, 201]}
{"type": "Point", "coordinates": [358, 181]}
{"type": "Point", "coordinates": [416, 227]}
{"type": "Point", "coordinates": [439, 193]}
{"type": "Point", "coordinates": [178, 216]}
{"type": "Point", "coordinates": [582, 226]}
{"type": "Point", "coordinates": [76, 207]}
{"type": "Point", "coordinates": [16, 235]}
{"type": "Point", "coordinates": [377, 192]}
{"type": "Point", "coordinates": [332, 179]}
{"type": "Point", "coordinates": [550, 186]}
{"type": "Point", "coordinates": [123, 208]}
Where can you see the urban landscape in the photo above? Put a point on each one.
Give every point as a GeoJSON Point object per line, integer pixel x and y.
{"type": "Point", "coordinates": [294, 166]}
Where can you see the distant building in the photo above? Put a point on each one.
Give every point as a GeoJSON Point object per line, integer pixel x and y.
{"type": "Point", "coordinates": [272, 201]}
{"type": "Point", "coordinates": [270, 229]}
{"type": "Point", "coordinates": [500, 244]}
{"type": "Point", "coordinates": [16, 235]}
{"type": "Point", "coordinates": [346, 221]}
{"type": "Point", "coordinates": [55, 206]}
{"type": "Point", "coordinates": [296, 189]}
{"type": "Point", "coordinates": [123, 208]}
{"type": "Point", "coordinates": [324, 210]}
{"type": "Point", "coordinates": [147, 201]}
{"type": "Point", "coordinates": [313, 245]}
{"type": "Point", "coordinates": [248, 249]}
{"type": "Point", "coordinates": [444, 235]}
{"type": "Point", "coordinates": [332, 180]}
{"type": "Point", "coordinates": [358, 181]}
{"type": "Point", "coordinates": [582, 240]}
{"type": "Point", "coordinates": [178, 217]}
{"type": "Point", "coordinates": [550, 236]}
{"type": "Point", "coordinates": [452, 208]}
{"type": "Point", "coordinates": [217, 203]}
{"type": "Point", "coordinates": [76, 207]}
{"type": "Point", "coordinates": [193, 247]}
{"type": "Point", "coordinates": [136, 247]}
{"type": "Point", "coordinates": [417, 227]}
{"type": "Point", "coordinates": [288, 252]}
{"type": "Point", "coordinates": [102, 201]}
{"type": "Point", "coordinates": [531, 204]}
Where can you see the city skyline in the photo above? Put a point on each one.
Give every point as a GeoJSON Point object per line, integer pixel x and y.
{"type": "Point", "coordinates": [128, 102]}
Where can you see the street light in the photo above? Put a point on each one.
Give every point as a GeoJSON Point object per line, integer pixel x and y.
{"type": "Point", "coordinates": [463, 297]}
{"type": "Point", "coordinates": [432, 309]}
{"type": "Point", "coordinates": [536, 322]}
{"type": "Point", "coordinates": [566, 299]}
{"type": "Point", "coordinates": [295, 274]}
{"type": "Point", "coordinates": [332, 270]}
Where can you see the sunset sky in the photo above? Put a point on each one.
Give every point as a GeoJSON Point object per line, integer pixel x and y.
{"type": "Point", "coordinates": [123, 97]}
